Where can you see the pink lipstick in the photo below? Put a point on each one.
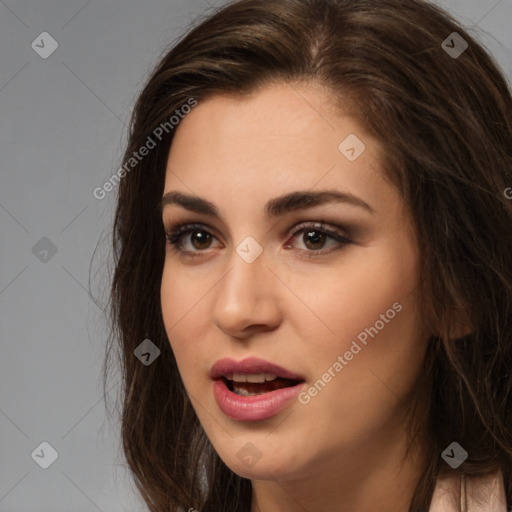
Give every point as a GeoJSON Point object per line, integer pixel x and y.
{"type": "Point", "coordinates": [253, 389]}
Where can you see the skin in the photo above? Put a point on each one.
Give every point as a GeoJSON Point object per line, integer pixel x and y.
{"type": "Point", "coordinates": [344, 450]}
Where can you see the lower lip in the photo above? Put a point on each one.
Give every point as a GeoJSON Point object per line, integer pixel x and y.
{"type": "Point", "coordinates": [253, 408]}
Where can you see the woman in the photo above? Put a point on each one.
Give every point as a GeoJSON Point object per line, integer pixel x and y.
{"type": "Point", "coordinates": [313, 230]}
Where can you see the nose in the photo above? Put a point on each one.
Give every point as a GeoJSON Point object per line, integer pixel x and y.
{"type": "Point", "coordinates": [246, 299]}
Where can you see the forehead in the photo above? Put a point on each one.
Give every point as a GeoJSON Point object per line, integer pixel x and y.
{"type": "Point", "coordinates": [277, 139]}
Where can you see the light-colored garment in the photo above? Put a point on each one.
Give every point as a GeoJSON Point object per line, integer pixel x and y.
{"type": "Point", "coordinates": [469, 494]}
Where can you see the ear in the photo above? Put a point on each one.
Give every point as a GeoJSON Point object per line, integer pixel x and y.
{"type": "Point", "coordinates": [460, 325]}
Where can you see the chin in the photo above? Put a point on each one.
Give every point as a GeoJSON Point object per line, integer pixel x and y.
{"type": "Point", "coordinates": [261, 460]}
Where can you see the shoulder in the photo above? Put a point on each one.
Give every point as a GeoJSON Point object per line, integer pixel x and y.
{"type": "Point", "coordinates": [470, 494]}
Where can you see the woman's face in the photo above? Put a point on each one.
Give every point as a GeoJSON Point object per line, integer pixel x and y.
{"type": "Point", "coordinates": [261, 278]}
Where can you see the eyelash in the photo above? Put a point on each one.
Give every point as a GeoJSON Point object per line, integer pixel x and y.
{"type": "Point", "coordinates": [174, 235]}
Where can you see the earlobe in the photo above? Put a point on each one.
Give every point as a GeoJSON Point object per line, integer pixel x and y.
{"type": "Point", "coordinates": [460, 326]}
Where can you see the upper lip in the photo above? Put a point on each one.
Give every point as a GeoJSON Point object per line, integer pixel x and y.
{"type": "Point", "coordinates": [250, 365]}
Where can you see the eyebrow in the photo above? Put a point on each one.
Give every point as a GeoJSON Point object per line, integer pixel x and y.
{"type": "Point", "coordinates": [274, 208]}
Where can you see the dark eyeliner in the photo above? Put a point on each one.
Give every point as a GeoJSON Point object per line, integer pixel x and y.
{"type": "Point", "coordinates": [321, 226]}
{"type": "Point", "coordinates": [174, 235]}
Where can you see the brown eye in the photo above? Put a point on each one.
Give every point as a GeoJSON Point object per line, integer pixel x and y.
{"type": "Point", "coordinates": [190, 239]}
{"type": "Point", "coordinates": [314, 239]}
{"type": "Point", "coordinates": [200, 239]}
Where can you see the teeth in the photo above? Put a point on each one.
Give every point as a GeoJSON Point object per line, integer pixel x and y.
{"type": "Point", "coordinates": [256, 377]}
{"type": "Point", "coordinates": [251, 377]}
{"type": "Point", "coordinates": [244, 392]}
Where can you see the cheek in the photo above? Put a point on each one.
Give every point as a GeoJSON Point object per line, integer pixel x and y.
{"type": "Point", "coordinates": [182, 294]}
{"type": "Point", "coordinates": [183, 306]}
{"type": "Point", "coordinates": [341, 302]}
{"type": "Point", "coordinates": [367, 313]}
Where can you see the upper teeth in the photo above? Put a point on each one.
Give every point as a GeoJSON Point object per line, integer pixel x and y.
{"type": "Point", "coordinates": [250, 377]}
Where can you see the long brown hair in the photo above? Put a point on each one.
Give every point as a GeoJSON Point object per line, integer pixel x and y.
{"type": "Point", "coordinates": [445, 121]}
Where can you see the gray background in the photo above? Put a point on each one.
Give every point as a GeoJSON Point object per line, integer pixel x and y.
{"type": "Point", "coordinates": [62, 131]}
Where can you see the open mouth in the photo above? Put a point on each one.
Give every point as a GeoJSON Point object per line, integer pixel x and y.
{"type": "Point", "coordinates": [256, 384]}
{"type": "Point", "coordinates": [253, 389]}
